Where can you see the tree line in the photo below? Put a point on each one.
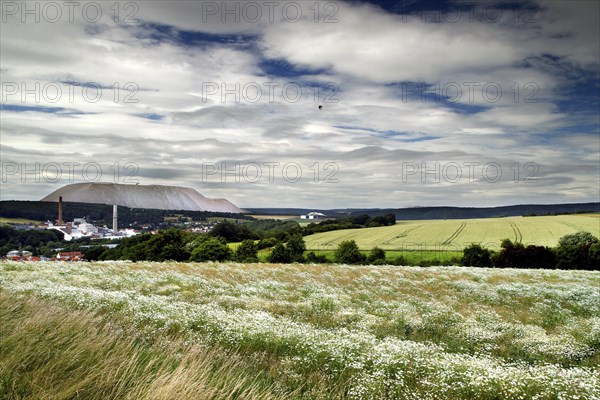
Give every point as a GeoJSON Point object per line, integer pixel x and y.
{"type": "Point", "coordinates": [178, 245]}
{"type": "Point", "coordinates": [101, 214]}
{"type": "Point", "coordinates": [283, 230]}
{"type": "Point", "coordinates": [37, 241]}
{"type": "Point", "coordinates": [579, 250]}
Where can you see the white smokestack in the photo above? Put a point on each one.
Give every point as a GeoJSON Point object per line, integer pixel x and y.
{"type": "Point", "coordinates": [115, 229]}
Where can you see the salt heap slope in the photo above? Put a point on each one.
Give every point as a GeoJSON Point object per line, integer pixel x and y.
{"type": "Point", "coordinates": [142, 196]}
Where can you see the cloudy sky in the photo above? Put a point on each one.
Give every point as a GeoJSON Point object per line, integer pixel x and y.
{"type": "Point", "coordinates": [422, 103]}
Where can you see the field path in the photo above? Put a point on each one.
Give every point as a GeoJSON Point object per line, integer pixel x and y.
{"type": "Point", "coordinates": [517, 232]}
{"type": "Point", "coordinates": [456, 233]}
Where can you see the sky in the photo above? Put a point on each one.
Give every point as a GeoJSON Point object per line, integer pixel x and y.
{"type": "Point", "coordinates": [309, 104]}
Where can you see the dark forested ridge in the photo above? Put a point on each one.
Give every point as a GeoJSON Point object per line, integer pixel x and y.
{"type": "Point", "coordinates": [43, 211]}
{"type": "Point", "coordinates": [416, 213]}
{"type": "Point", "coordinates": [100, 213]}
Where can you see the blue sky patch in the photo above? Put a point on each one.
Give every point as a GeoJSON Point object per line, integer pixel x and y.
{"type": "Point", "coordinates": [41, 109]}
{"type": "Point", "coordinates": [151, 116]}
{"type": "Point", "coordinates": [390, 134]}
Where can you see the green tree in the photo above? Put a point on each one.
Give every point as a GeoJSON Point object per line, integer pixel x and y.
{"type": "Point", "coordinates": [578, 251]}
{"type": "Point", "coordinates": [377, 256]}
{"type": "Point", "coordinates": [167, 245]}
{"type": "Point", "coordinates": [211, 249]}
{"type": "Point", "coordinates": [515, 255]}
{"type": "Point", "coordinates": [360, 219]}
{"type": "Point", "coordinates": [539, 257]}
{"type": "Point", "coordinates": [374, 222]}
{"type": "Point", "coordinates": [348, 253]}
{"type": "Point", "coordinates": [280, 254]}
{"type": "Point", "coordinates": [316, 259]}
{"type": "Point", "coordinates": [134, 248]}
{"type": "Point", "coordinates": [247, 252]}
{"type": "Point", "coordinates": [578, 239]}
{"type": "Point", "coordinates": [391, 219]}
{"type": "Point", "coordinates": [508, 244]}
{"type": "Point", "coordinates": [476, 256]}
{"type": "Point", "coordinates": [594, 255]}
{"type": "Point", "coordinates": [94, 253]}
{"type": "Point", "coordinates": [111, 254]}
{"type": "Point", "coordinates": [267, 242]}
{"type": "Point", "coordinates": [232, 232]}
{"type": "Point", "coordinates": [400, 260]}
{"type": "Point", "coordinates": [296, 247]}
{"type": "Point", "coordinates": [510, 255]}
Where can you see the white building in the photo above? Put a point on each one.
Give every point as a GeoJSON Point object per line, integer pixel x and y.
{"type": "Point", "coordinates": [80, 228]}
{"type": "Point", "coordinates": [83, 227]}
{"type": "Point", "coordinates": [312, 215]}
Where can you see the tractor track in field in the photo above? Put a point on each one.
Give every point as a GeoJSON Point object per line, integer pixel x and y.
{"type": "Point", "coordinates": [456, 233]}
{"type": "Point", "coordinates": [401, 235]}
{"type": "Point", "coordinates": [578, 229]}
{"type": "Point", "coordinates": [517, 232]}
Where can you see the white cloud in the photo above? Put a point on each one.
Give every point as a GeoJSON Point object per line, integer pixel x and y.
{"type": "Point", "coordinates": [369, 133]}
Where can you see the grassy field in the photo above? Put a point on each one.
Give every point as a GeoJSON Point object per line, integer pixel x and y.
{"type": "Point", "coordinates": [4, 221]}
{"type": "Point", "coordinates": [412, 257]}
{"type": "Point", "coordinates": [53, 352]}
{"type": "Point", "coordinates": [186, 330]}
{"type": "Point", "coordinates": [454, 235]}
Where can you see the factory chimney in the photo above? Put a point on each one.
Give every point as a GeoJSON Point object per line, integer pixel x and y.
{"type": "Point", "coordinates": [60, 221]}
{"type": "Point", "coordinates": [115, 230]}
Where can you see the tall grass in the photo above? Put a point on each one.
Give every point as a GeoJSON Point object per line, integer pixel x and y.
{"type": "Point", "coordinates": [48, 352]}
{"type": "Point", "coordinates": [321, 331]}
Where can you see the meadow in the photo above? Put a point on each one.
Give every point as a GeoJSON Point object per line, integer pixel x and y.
{"type": "Point", "coordinates": [297, 331]}
{"type": "Point", "coordinates": [8, 221]}
{"type": "Point", "coordinates": [454, 235]}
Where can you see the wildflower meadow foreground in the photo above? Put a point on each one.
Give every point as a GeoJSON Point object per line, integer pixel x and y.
{"type": "Point", "coordinates": [321, 331]}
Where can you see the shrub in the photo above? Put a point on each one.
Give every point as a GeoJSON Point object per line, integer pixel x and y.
{"type": "Point", "coordinates": [296, 247]}
{"type": "Point", "coordinates": [539, 257]}
{"type": "Point", "coordinates": [515, 255]}
{"type": "Point", "coordinates": [578, 239]}
{"type": "Point", "coordinates": [348, 253]}
{"type": "Point", "coordinates": [579, 250]}
{"type": "Point", "coordinates": [247, 251]}
{"type": "Point", "coordinates": [280, 254]}
{"type": "Point", "coordinates": [232, 232]}
{"type": "Point", "coordinates": [211, 249]}
{"type": "Point", "coordinates": [94, 253]}
{"type": "Point", "coordinates": [377, 256]}
{"type": "Point", "coordinates": [476, 256]}
{"type": "Point", "coordinates": [316, 259]}
{"type": "Point", "coordinates": [400, 260]}
{"type": "Point", "coordinates": [594, 255]}
{"type": "Point", "coordinates": [267, 242]}
{"type": "Point", "coordinates": [429, 263]}
{"type": "Point", "coordinates": [165, 245]}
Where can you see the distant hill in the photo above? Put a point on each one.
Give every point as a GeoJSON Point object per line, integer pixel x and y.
{"type": "Point", "coordinates": [417, 213]}
{"type": "Point", "coordinates": [157, 197]}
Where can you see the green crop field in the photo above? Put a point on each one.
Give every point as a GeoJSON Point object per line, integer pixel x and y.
{"type": "Point", "coordinates": [450, 235]}
{"type": "Point", "coordinates": [122, 330]}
